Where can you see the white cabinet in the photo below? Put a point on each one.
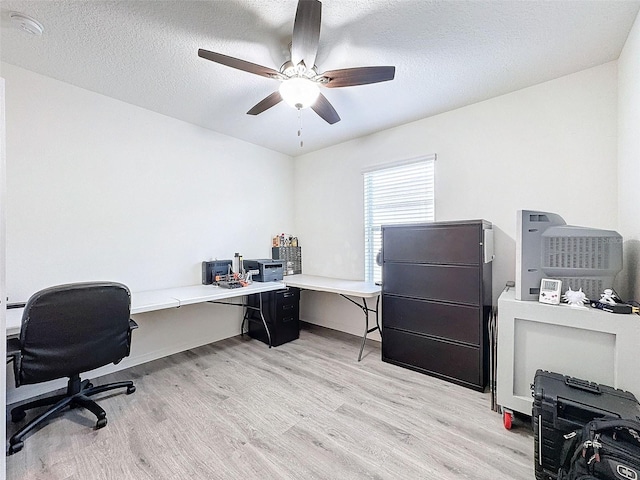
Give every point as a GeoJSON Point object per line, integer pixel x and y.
{"type": "Point", "coordinates": [585, 343]}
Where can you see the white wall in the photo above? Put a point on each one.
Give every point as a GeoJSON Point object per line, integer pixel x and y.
{"type": "Point", "coordinates": [98, 188]}
{"type": "Point", "coordinates": [102, 190]}
{"type": "Point", "coordinates": [629, 160]}
{"type": "Point", "coordinates": [3, 198]}
{"type": "Point", "coordinates": [550, 147]}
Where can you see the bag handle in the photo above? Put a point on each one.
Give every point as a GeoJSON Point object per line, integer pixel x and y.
{"type": "Point", "coordinates": [611, 423]}
{"type": "Point", "coordinates": [582, 385]}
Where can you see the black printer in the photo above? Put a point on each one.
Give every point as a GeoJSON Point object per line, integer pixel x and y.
{"type": "Point", "coordinates": [268, 270]}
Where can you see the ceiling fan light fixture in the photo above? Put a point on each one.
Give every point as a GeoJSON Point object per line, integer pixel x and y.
{"type": "Point", "coordinates": [299, 92]}
{"type": "Point", "coordinates": [300, 81]}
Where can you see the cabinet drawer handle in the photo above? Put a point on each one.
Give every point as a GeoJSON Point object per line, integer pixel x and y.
{"type": "Point", "coordinates": [288, 307]}
{"type": "Point", "coordinates": [288, 294]}
{"type": "Point", "coordinates": [287, 319]}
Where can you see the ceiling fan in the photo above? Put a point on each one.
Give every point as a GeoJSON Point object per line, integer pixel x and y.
{"type": "Point", "coordinates": [299, 76]}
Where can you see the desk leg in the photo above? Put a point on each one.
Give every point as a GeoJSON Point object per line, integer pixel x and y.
{"type": "Point", "coordinates": [259, 310]}
{"type": "Point", "coordinates": [246, 318]}
{"type": "Point", "coordinates": [366, 311]}
{"type": "Point", "coordinates": [366, 326]}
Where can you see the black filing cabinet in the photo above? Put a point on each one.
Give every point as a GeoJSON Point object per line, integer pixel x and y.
{"type": "Point", "coordinates": [436, 299]}
{"type": "Point", "coordinates": [281, 309]}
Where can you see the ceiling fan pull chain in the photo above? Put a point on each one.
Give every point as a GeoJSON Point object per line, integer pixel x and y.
{"type": "Point", "coordinates": [300, 127]}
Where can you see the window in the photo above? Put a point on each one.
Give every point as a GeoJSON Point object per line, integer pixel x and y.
{"type": "Point", "coordinates": [402, 192]}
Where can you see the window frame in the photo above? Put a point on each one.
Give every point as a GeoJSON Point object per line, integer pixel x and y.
{"type": "Point", "coordinates": [419, 207]}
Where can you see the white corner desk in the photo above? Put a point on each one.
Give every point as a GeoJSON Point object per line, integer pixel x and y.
{"type": "Point", "coordinates": [346, 289]}
{"type": "Point", "coordinates": [152, 300]}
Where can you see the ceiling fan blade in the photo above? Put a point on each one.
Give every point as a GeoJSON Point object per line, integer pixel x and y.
{"type": "Point", "coordinates": [306, 32]}
{"type": "Point", "coordinates": [266, 103]}
{"type": "Point", "coordinates": [239, 64]}
{"type": "Point", "coordinates": [323, 108]}
{"type": "Point", "coordinates": [348, 77]}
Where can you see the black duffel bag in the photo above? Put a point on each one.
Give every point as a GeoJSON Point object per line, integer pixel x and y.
{"type": "Point", "coordinates": [605, 449]}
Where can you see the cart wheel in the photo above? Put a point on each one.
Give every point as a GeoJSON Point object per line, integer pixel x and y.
{"type": "Point", "coordinates": [507, 419]}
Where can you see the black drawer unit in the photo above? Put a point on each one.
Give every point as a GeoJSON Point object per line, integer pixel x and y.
{"type": "Point", "coordinates": [281, 309]}
{"type": "Point", "coordinates": [436, 299]}
{"type": "Point", "coordinates": [456, 322]}
{"type": "Point", "coordinates": [449, 360]}
{"type": "Point", "coordinates": [442, 243]}
{"type": "Point", "coordinates": [449, 283]}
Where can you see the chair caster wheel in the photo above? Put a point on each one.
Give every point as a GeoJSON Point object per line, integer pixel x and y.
{"type": "Point", "coordinates": [15, 448]}
{"type": "Point", "coordinates": [18, 415]}
{"type": "Point", "coordinates": [101, 423]}
{"type": "Point", "coordinates": [131, 389]}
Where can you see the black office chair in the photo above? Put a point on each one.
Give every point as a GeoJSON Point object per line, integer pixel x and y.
{"type": "Point", "coordinates": [68, 330]}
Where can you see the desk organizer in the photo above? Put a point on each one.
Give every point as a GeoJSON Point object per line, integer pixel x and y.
{"type": "Point", "coordinates": [292, 257]}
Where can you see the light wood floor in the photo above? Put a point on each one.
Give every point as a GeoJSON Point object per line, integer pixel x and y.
{"type": "Point", "coordinates": [303, 410]}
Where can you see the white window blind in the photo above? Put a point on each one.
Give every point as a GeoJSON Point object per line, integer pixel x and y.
{"type": "Point", "coordinates": [397, 193]}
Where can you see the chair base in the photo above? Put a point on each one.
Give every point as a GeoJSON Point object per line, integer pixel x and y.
{"type": "Point", "coordinates": [78, 393]}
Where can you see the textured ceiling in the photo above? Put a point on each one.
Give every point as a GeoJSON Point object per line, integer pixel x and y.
{"type": "Point", "coordinates": [447, 54]}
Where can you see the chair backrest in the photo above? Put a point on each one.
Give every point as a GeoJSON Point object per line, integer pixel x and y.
{"type": "Point", "coordinates": [74, 328]}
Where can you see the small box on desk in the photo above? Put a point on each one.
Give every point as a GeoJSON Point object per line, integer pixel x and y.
{"type": "Point", "coordinates": [268, 270]}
